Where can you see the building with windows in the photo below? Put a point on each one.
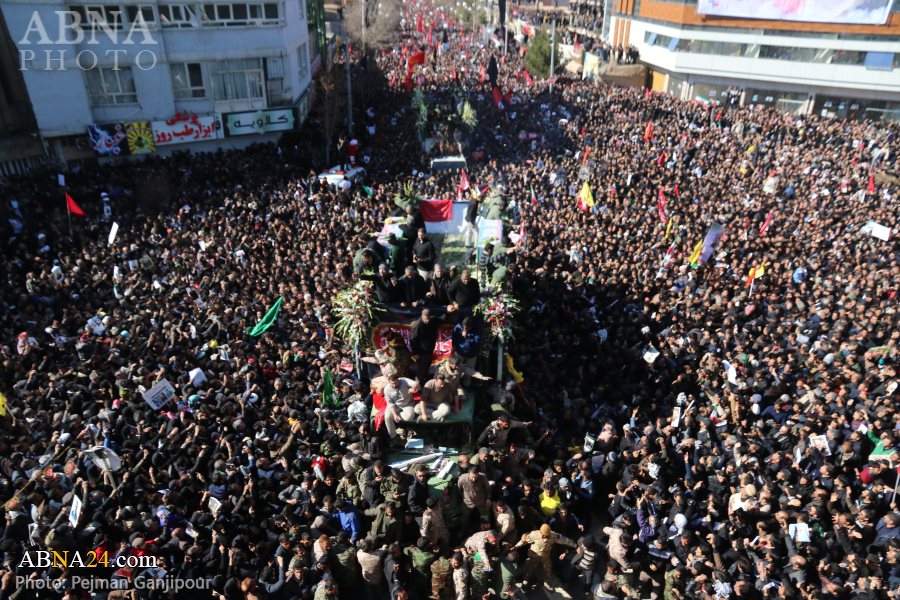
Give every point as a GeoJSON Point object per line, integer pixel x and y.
{"type": "Point", "coordinates": [828, 57]}
{"type": "Point", "coordinates": [111, 78]}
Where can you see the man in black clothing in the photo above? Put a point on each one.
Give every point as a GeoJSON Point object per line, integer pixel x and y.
{"type": "Point", "coordinates": [384, 284]}
{"type": "Point", "coordinates": [464, 293]}
{"type": "Point", "coordinates": [423, 339]}
{"type": "Point", "coordinates": [424, 255]}
{"type": "Point", "coordinates": [437, 288]}
{"type": "Point", "coordinates": [411, 288]}
{"type": "Point", "coordinates": [418, 492]}
{"type": "Point", "coordinates": [471, 219]}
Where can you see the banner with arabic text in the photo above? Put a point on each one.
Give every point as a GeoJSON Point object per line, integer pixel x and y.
{"type": "Point", "coordinates": [259, 121]}
{"type": "Point", "coordinates": [186, 127]}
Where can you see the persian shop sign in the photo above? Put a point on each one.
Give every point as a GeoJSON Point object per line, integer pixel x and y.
{"type": "Point", "coordinates": [186, 127]}
{"type": "Point", "coordinates": [260, 121]}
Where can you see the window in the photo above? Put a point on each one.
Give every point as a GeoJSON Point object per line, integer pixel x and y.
{"type": "Point", "coordinates": [99, 16]}
{"type": "Point", "coordinates": [144, 10]}
{"type": "Point", "coordinates": [187, 80]}
{"type": "Point", "coordinates": [880, 61]}
{"type": "Point", "coordinates": [237, 79]}
{"type": "Point", "coordinates": [303, 61]}
{"type": "Point", "coordinates": [177, 15]}
{"type": "Point", "coordinates": [241, 14]}
{"type": "Point", "coordinates": [108, 86]}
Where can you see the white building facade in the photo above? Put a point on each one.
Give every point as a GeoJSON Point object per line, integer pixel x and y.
{"type": "Point", "coordinates": [830, 69]}
{"type": "Point", "coordinates": [117, 78]}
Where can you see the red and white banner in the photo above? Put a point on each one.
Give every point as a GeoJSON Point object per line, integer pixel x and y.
{"type": "Point", "coordinates": [443, 216]}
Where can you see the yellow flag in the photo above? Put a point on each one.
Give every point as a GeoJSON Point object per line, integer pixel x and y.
{"type": "Point", "coordinates": [669, 228]}
{"type": "Point", "coordinates": [2, 405]}
{"type": "Point", "coordinates": [585, 197]}
{"type": "Point", "coordinates": [761, 270]}
{"type": "Point", "coordinates": [695, 255]}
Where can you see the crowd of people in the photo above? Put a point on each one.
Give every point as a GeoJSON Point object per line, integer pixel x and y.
{"type": "Point", "coordinates": [678, 427]}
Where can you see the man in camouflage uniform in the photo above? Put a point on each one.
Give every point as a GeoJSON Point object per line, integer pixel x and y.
{"type": "Point", "coordinates": [441, 572]}
{"type": "Point", "coordinates": [540, 544]}
{"type": "Point", "coordinates": [460, 577]}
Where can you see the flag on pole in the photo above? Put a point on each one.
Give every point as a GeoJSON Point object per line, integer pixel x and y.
{"type": "Point", "coordinates": [328, 398]}
{"type": "Point", "coordinates": [695, 255]}
{"type": "Point", "coordinates": [528, 79]}
{"type": "Point", "coordinates": [669, 228]}
{"type": "Point", "coordinates": [463, 186]}
{"type": "Point", "coordinates": [481, 75]}
{"type": "Point", "coordinates": [648, 132]}
{"type": "Point", "coordinates": [587, 152]}
{"type": "Point", "coordinates": [585, 198]}
{"type": "Point", "coordinates": [73, 207]}
{"type": "Point", "coordinates": [267, 321]}
{"type": "Point", "coordinates": [661, 206]}
{"type": "Point", "coordinates": [765, 225]}
{"type": "Point", "coordinates": [368, 191]}
{"type": "Point", "coordinates": [871, 186]}
{"type": "Point", "coordinates": [417, 58]}
{"type": "Point", "coordinates": [754, 273]}
{"type": "Point", "coordinates": [534, 200]}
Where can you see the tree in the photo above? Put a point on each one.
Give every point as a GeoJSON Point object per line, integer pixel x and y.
{"type": "Point", "coordinates": [382, 22]}
{"type": "Point", "coordinates": [537, 60]}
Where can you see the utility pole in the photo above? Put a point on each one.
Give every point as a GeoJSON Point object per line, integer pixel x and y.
{"type": "Point", "coordinates": [349, 93]}
{"type": "Point", "coordinates": [552, 51]}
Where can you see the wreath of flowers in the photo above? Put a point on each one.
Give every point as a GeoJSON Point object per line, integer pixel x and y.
{"type": "Point", "coordinates": [355, 309]}
{"type": "Point", "coordinates": [497, 310]}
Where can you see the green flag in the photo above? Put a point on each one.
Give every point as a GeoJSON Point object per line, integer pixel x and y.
{"type": "Point", "coordinates": [368, 191]}
{"type": "Point", "coordinates": [328, 398]}
{"type": "Point", "coordinates": [267, 321]}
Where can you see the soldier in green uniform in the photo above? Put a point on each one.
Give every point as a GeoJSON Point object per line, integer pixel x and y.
{"type": "Point", "coordinates": [421, 555]}
{"type": "Point", "coordinates": [386, 524]}
{"type": "Point", "coordinates": [343, 565]}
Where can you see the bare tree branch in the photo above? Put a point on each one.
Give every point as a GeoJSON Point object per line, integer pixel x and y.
{"type": "Point", "coordinates": [382, 22]}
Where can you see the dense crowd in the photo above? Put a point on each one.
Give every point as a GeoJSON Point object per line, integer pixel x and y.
{"type": "Point", "coordinates": [677, 431]}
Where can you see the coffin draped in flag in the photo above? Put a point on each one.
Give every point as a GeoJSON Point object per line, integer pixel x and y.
{"type": "Point", "coordinates": [443, 216]}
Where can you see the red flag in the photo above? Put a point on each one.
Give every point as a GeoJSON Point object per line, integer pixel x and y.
{"type": "Point", "coordinates": [463, 184]}
{"type": "Point", "coordinates": [661, 206]}
{"type": "Point", "coordinates": [498, 98]}
{"type": "Point", "coordinates": [528, 78]}
{"type": "Point", "coordinates": [415, 59]}
{"type": "Point", "coordinates": [661, 160]}
{"type": "Point", "coordinates": [648, 132]}
{"type": "Point", "coordinates": [871, 186]}
{"type": "Point", "coordinates": [436, 210]}
{"type": "Point", "coordinates": [765, 225]}
{"type": "Point", "coordinates": [73, 208]}
{"type": "Point", "coordinates": [587, 152]}
{"type": "Point", "coordinates": [481, 75]}
{"type": "Point", "coordinates": [676, 192]}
